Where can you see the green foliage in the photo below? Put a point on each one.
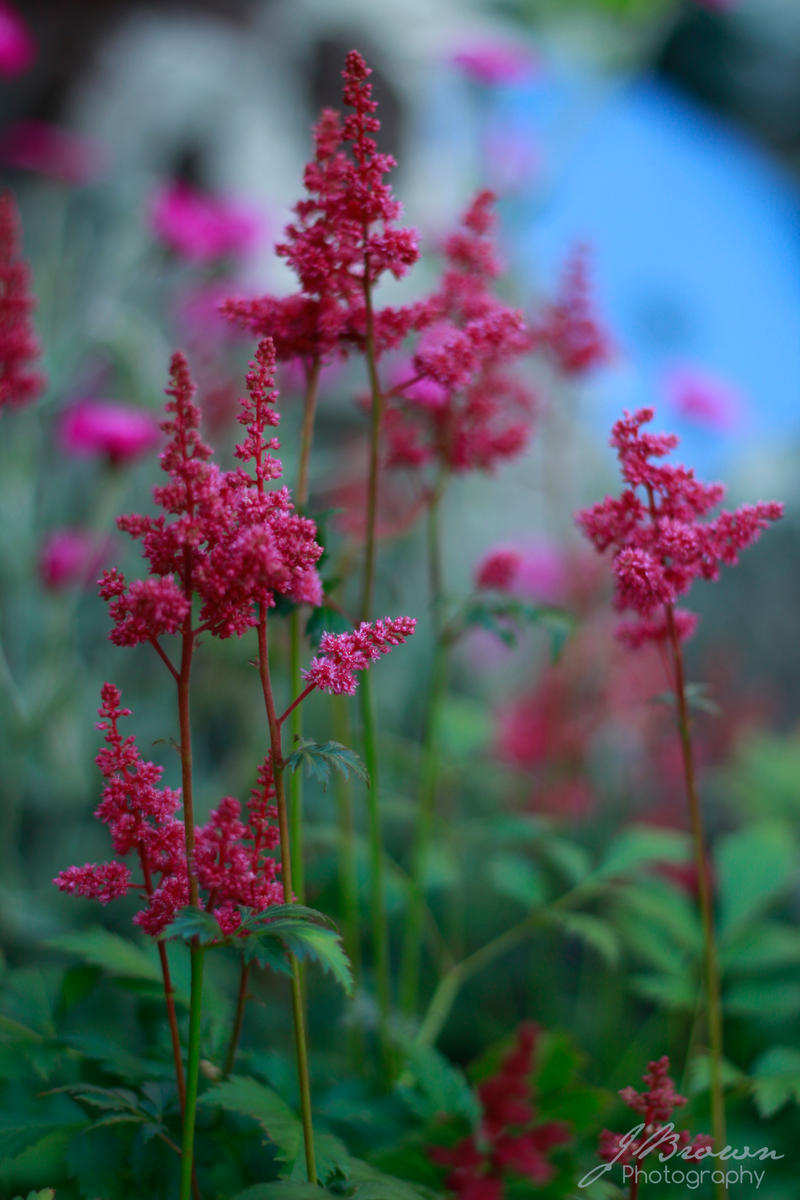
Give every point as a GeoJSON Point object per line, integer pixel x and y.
{"type": "Point", "coordinates": [504, 616]}
{"type": "Point", "coordinates": [596, 932]}
{"type": "Point", "coordinates": [640, 846]}
{"type": "Point", "coordinates": [325, 620]}
{"type": "Point", "coordinates": [192, 924]}
{"type": "Point", "coordinates": [432, 1086]}
{"type": "Point", "coordinates": [249, 1098]}
{"type": "Point", "coordinates": [754, 866]}
{"type": "Point", "coordinates": [121, 957]}
{"type": "Point", "coordinates": [320, 759]}
{"type": "Point", "coordinates": [776, 1079]}
{"type": "Point", "coordinates": [43, 1194]}
{"type": "Point", "coordinates": [516, 877]}
{"type": "Point", "coordinates": [293, 928]}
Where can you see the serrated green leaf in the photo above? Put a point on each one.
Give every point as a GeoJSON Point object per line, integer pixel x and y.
{"type": "Point", "coordinates": [639, 845]}
{"type": "Point", "coordinates": [115, 955]}
{"type": "Point", "coordinates": [754, 866]}
{"type": "Point", "coordinates": [440, 1086]}
{"type": "Point", "coordinates": [320, 759]}
{"type": "Point", "coordinates": [776, 1079]}
{"type": "Point", "coordinates": [281, 1189]}
{"type": "Point", "coordinates": [20, 1129]}
{"type": "Point", "coordinates": [518, 878]}
{"type": "Point", "coordinates": [594, 931]}
{"type": "Point", "coordinates": [760, 946]}
{"type": "Point", "coordinates": [193, 924]}
{"type": "Point", "coordinates": [672, 992]}
{"type": "Point", "coordinates": [249, 1098]}
{"type": "Point", "coordinates": [373, 1184]}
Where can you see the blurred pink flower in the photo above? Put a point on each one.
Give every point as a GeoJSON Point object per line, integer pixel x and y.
{"type": "Point", "coordinates": [202, 227]}
{"type": "Point", "coordinates": [17, 49]}
{"type": "Point", "coordinates": [536, 571]}
{"type": "Point", "coordinates": [492, 60]}
{"type": "Point", "coordinates": [94, 427]}
{"type": "Point", "coordinates": [51, 151]}
{"type": "Point", "coordinates": [71, 556]}
{"type": "Point", "coordinates": [703, 398]}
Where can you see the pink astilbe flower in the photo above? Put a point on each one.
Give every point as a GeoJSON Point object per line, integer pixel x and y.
{"type": "Point", "coordinates": [704, 399]}
{"type": "Point", "coordinates": [655, 1107]}
{"type": "Point", "coordinates": [568, 330]}
{"type": "Point", "coordinates": [661, 543]}
{"type": "Point", "coordinates": [19, 383]}
{"type": "Point", "coordinates": [233, 860]}
{"type": "Point", "coordinates": [222, 536]}
{"type": "Point", "coordinates": [117, 432]}
{"type": "Point", "coordinates": [17, 49]}
{"type": "Point", "coordinates": [200, 227]}
{"type": "Point", "coordinates": [537, 571]}
{"type": "Point", "coordinates": [344, 234]}
{"type": "Point", "coordinates": [511, 1137]}
{"type": "Point", "coordinates": [493, 61]}
{"type": "Point", "coordinates": [473, 412]}
{"type": "Point", "coordinates": [345, 653]}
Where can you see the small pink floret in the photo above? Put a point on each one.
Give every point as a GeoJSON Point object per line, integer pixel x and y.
{"type": "Point", "coordinates": [494, 61]}
{"type": "Point", "coordinates": [704, 399]}
{"type": "Point", "coordinates": [345, 653]}
{"type": "Point", "coordinates": [70, 556]}
{"type": "Point", "coordinates": [120, 433]}
{"type": "Point", "coordinates": [50, 151]}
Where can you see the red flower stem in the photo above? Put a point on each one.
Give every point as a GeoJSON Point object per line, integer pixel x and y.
{"type": "Point", "coordinates": [169, 993]}
{"type": "Point", "coordinates": [634, 1192]}
{"type": "Point", "coordinates": [711, 969]}
{"type": "Point", "coordinates": [295, 703]}
{"type": "Point", "coordinates": [167, 661]}
{"type": "Point", "coordinates": [298, 1013]}
{"type": "Point", "coordinates": [241, 1000]}
{"type": "Point", "coordinates": [376, 421]}
{"type": "Point", "coordinates": [307, 432]}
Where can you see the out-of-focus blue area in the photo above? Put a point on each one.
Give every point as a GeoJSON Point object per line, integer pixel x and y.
{"type": "Point", "coordinates": [695, 237]}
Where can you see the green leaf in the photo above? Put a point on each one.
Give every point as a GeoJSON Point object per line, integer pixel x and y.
{"type": "Point", "coordinates": [760, 946]}
{"type": "Point", "coordinates": [373, 1184]}
{"type": "Point", "coordinates": [671, 992]}
{"type": "Point", "coordinates": [700, 1074]}
{"type": "Point", "coordinates": [569, 858]}
{"type": "Point", "coordinates": [319, 759]}
{"type": "Point", "coordinates": [594, 931]}
{"type": "Point", "coordinates": [641, 845]}
{"type": "Point", "coordinates": [193, 924]}
{"type": "Point", "coordinates": [21, 1129]}
{"type": "Point", "coordinates": [281, 1189]}
{"type": "Point", "coordinates": [753, 866]}
{"type": "Point", "coordinates": [44, 1194]}
{"type": "Point", "coordinates": [503, 615]}
{"type": "Point", "coordinates": [249, 1098]}
{"type": "Point", "coordinates": [517, 877]}
{"type": "Point", "coordinates": [776, 1079]}
{"type": "Point", "coordinates": [325, 620]}
{"type": "Point", "coordinates": [440, 1086]}
{"type": "Point", "coordinates": [697, 698]}
{"type": "Point", "coordinates": [765, 998]}
{"type": "Point", "coordinates": [116, 955]}
{"type": "Point", "coordinates": [298, 933]}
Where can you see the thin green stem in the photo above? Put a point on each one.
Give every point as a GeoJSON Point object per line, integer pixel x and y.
{"type": "Point", "coordinates": [376, 421]}
{"type": "Point", "coordinates": [192, 1071]}
{"type": "Point", "coordinates": [296, 634]}
{"type": "Point", "coordinates": [169, 992]}
{"type": "Point", "coordinates": [298, 1012]}
{"type": "Point", "coordinates": [348, 871]}
{"type": "Point", "coordinates": [380, 924]}
{"type": "Point", "coordinates": [710, 966]}
{"type": "Point", "coordinates": [241, 1000]}
{"type": "Point", "coordinates": [412, 941]}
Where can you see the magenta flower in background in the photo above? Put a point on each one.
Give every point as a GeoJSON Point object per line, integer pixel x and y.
{"type": "Point", "coordinates": [201, 227]}
{"type": "Point", "coordinates": [704, 399]}
{"type": "Point", "coordinates": [17, 48]}
{"type": "Point", "coordinates": [71, 556]}
{"type": "Point", "coordinates": [536, 571]}
{"type": "Point", "coordinates": [48, 150]}
{"type": "Point", "coordinates": [493, 60]}
{"type": "Point", "coordinates": [96, 428]}
{"type": "Point", "coordinates": [19, 383]}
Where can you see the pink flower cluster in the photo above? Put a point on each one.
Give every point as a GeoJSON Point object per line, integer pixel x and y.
{"type": "Point", "coordinates": [17, 48]}
{"type": "Point", "coordinates": [19, 383]}
{"type": "Point", "coordinates": [568, 330]}
{"type": "Point", "coordinates": [655, 1107]}
{"type": "Point", "coordinates": [222, 536]}
{"type": "Point", "coordinates": [344, 235]}
{"type": "Point", "coordinates": [345, 653]}
{"type": "Point", "coordinates": [660, 543]}
{"type": "Point", "coordinates": [202, 228]}
{"type": "Point", "coordinates": [510, 1139]}
{"type": "Point", "coordinates": [461, 406]}
{"type": "Point", "coordinates": [233, 860]}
